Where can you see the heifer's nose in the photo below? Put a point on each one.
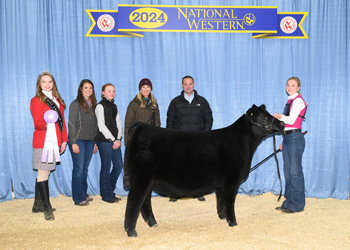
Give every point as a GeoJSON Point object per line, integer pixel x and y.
{"type": "Point", "coordinates": [282, 124]}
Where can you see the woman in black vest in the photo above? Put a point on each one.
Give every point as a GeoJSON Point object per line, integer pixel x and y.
{"type": "Point", "coordinates": [108, 140]}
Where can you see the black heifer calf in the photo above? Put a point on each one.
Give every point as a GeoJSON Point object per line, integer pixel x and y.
{"type": "Point", "coordinates": [182, 164]}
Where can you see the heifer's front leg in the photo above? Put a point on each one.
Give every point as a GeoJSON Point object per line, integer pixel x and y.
{"type": "Point", "coordinates": [147, 213]}
{"type": "Point", "coordinates": [229, 200]}
{"type": "Point", "coordinates": [136, 198]}
{"type": "Point", "coordinates": [220, 204]}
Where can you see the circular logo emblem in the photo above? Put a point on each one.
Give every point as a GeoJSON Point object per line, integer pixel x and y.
{"type": "Point", "coordinates": [249, 19]}
{"type": "Point", "coordinates": [105, 23]}
{"type": "Point", "coordinates": [288, 24]}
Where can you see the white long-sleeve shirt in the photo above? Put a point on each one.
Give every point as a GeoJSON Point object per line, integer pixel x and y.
{"type": "Point", "coordinates": [99, 111]}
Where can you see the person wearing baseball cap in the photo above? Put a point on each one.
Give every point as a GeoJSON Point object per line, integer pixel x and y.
{"type": "Point", "coordinates": [143, 108]}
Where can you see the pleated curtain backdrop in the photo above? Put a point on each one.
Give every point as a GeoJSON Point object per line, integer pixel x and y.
{"type": "Point", "coordinates": [232, 71]}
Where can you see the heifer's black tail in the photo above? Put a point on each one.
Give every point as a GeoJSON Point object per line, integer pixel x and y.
{"type": "Point", "coordinates": [126, 181]}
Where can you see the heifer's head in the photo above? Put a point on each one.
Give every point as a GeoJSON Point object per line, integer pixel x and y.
{"type": "Point", "coordinates": [266, 122]}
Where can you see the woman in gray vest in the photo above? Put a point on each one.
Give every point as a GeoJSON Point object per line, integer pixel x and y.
{"type": "Point", "coordinates": [82, 127]}
{"type": "Point", "coordinates": [108, 140]}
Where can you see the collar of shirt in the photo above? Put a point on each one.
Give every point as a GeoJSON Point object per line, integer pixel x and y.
{"type": "Point", "coordinates": [189, 98]}
{"type": "Point", "coordinates": [50, 95]}
{"type": "Point", "coordinates": [293, 96]}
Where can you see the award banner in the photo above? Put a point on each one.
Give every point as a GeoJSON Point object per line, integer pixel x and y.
{"type": "Point", "coordinates": [105, 24]}
{"type": "Point", "coordinates": [183, 18]}
{"type": "Point", "coordinates": [289, 26]}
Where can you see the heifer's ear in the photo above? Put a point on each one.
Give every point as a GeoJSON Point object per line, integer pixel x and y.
{"type": "Point", "coordinates": [251, 111]}
{"type": "Point", "coordinates": [263, 107]}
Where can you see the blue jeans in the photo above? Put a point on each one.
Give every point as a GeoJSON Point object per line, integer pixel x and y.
{"type": "Point", "coordinates": [81, 163]}
{"type": "Point", "coordinates": [293, 148]}
{"type": "Point", "coordinates": [108, 177]}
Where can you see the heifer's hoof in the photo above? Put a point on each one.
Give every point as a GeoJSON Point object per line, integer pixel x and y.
{"type": "Point", "coordinates": [152, 223]}
{"type": "Point", "coordinates": [222, 216]}
{"type": "Point", "coordinates": [131, 233]}
{"type": "Point", "coordinates": [232, 224]}
{"type": "Point", "coordinates": [201, 198]}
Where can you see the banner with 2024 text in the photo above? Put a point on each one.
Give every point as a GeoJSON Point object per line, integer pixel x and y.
{"type": "Point", "coordinates": [261, 21]}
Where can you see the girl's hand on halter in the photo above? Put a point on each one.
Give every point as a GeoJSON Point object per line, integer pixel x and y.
{"type": "Point", "coordinates": [278, 116]}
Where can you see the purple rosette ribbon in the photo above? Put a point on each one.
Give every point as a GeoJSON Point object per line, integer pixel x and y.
{"type": "Point", "coordinates": [50, 116]}
{"type": "Point", "coordinates": [51, 145]}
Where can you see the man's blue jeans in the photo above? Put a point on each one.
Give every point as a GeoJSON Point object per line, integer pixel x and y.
{"type": "Point", "coordinates": [81, 163]}
{"type": "Point", "coordinates": [108, 177]}
{"type": "Point", "coordinates": [293, 148]}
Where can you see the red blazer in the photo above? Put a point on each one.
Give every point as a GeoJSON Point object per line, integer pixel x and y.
{"type": "Point", "coordinates": [38, 108]}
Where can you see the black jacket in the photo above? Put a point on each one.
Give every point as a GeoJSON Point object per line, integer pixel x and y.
{"type": "Point", "coordinates": [110, 114]}
{"type": "Point", "coordinates": [195, 116]}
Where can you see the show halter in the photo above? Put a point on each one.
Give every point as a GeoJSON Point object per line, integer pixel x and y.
{"type": "Point", "coordinates": [275, 152]}
{"type": "Point", "coordinates": [269, 127]}
{"type": "Point", "coordinates": [50, 146]}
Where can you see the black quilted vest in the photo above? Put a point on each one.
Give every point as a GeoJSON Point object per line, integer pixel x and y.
{"type": "Point", "coordinates": [110, 113]}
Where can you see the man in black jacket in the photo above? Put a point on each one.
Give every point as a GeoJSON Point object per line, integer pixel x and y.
{"type": "Point", "coordinates": [189, 111]}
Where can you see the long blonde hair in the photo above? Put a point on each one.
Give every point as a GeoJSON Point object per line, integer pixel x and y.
{"type": "Point", "coordinates": [297, 80]}
{"type": "Point", "coordinates": [55, 93]}
{"type": "Point", "coordinates": [104, 87]}
{"type": "Point", "coordinates": [140, 97]}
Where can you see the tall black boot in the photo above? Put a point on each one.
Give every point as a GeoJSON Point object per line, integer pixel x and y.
{"type": "Point", "coordinates": [38, 202]}
{"type": "Point", "coordinates": [44, 193]}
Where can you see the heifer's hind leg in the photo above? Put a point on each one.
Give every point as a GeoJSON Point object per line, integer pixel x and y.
{"type": "Point", "coordinates": [229, 195]}
{"type": "Point", "coordinates": [220, 204]}
{"type": "Point", "coordinates": [136, 198]}
{"type": "Point", "coordinates": [147, 213]}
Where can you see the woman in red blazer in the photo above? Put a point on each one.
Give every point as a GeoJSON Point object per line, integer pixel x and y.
{"type": "Point", "coordinates": [47, 98]}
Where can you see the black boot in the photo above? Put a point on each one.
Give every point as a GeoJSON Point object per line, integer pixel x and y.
{"type": "Point", "coordinates": [38, 202]}
{"type": "Point", "coordinates": [44, 193]}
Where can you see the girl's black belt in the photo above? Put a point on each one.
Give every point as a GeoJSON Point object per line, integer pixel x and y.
{"type": "Point", "coordinates": [285, 133]}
